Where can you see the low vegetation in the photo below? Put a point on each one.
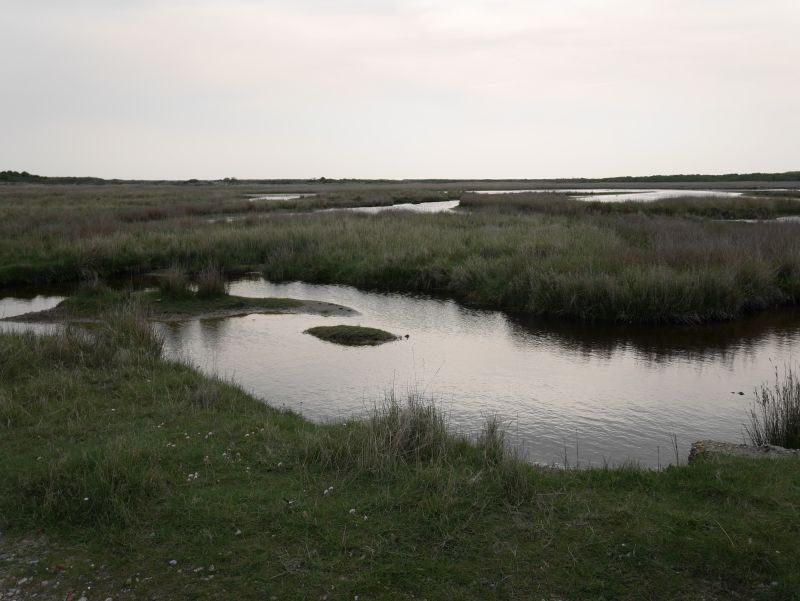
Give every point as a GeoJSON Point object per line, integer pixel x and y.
{"type": "Point", "coordinates": [138, 477]}
{"type": "Point", "coordinates": [775, 416]}
{"type": "Point", "coordinates": [90, 303]}
{"type": "Point", "coordinates": [351, 335]}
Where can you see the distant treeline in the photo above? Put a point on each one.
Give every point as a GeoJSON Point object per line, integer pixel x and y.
{"type": "Point", "coordinates": [787, 176]}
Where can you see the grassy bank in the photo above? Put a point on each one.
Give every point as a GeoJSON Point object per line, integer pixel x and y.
{"type": "Point", "coordinates": [138, 477]}
{"type": "Point", "coordinates": [630, 267]}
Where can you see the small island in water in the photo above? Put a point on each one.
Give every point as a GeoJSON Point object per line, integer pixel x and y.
{"type": "Point", "coordinates": [352, 335]}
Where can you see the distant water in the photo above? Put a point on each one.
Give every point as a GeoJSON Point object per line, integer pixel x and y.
{"type": "Point", "coordinates": [617, 195]}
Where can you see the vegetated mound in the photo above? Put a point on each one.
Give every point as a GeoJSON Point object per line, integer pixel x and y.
{"type": "Point", "coordinates": [352, 335]}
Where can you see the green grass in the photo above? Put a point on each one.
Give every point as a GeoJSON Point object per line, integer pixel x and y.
{"type": "Point", "coordinates": [194, 306]}
{"type": "Point", "coordinates": [351, 335]}
{"type": "Point", "coordinates": [101, 441]}
{"type": "Point", "coordinates": [625, 265]}
{"type": "Point", "coordinates": [91, 303]}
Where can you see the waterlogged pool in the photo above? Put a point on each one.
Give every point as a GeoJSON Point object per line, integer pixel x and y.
{"type": "Point", "coordinates": [597, 393]}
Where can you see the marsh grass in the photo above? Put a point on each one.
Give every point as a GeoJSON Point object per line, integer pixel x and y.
{"type": "Point", "coordinates": [562, 258]}
{"type": "Point", "coordinates": [210, 282]}
{"type": "Point", "coordinates": [173, 283]}
{"type": "Point", "coordinates": [775, 415]}
{"type": "Point", "coordinates": [396, 433]}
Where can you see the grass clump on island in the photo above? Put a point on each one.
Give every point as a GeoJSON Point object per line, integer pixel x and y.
{"type": "Point", "coordinates": [117, 463]}
{"type": "Point", "coordinates": [174, 298]}
{"type": "Point", "coordinates": [626, 262]}
{"type": "Point", "coordinates": [351, 335]}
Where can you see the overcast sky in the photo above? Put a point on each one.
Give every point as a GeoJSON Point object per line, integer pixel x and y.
{"type": "Point", "coordinates": [399, 89]}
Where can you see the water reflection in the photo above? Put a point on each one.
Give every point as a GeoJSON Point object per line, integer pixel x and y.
{"type": "Point", "coordinates": [278, 197]}
{"type": "Point", "coordinates": [660, 344]}
{"type": "Point", "coordinates": [622, 195]}
{"type": "Point", "coordinates": [622, 390]}
{"type": "Point", "coordinates": [652, 195]}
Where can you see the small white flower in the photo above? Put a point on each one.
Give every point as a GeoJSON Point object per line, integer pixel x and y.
{"type": "Point", "coordinates": [353, 511]}
{"type": "Point", "coordinates": [85, 498]}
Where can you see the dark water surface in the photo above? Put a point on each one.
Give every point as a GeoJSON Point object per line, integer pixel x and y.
{"type": "Point", "coordinates": [602, 393]}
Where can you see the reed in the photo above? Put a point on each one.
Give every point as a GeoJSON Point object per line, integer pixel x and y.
{"type": "Point", "coordinates": [211, 282]}
{"type": "Point", "coordinates": [775, 415]}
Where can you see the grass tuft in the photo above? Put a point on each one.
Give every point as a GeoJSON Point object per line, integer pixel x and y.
{"type": "Point", "coordinates": [351, 335]}
{"type": "Point", "coordinates": [211, 282]}
{"type": "Point", "coordinates": [775, 415]}
{"type": "Point", "coordinates": [395, 434]}
{"type": "Point", "coordinates": [173, 283]}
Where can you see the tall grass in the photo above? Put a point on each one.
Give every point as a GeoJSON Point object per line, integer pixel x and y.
{"type": "Point", "coordinates": [174, 284]}
{"type": "Point", "coordinates": [211, 281]}
{"type": "Point", "coordinates": [395, 433]}
{"type": "Point", "coordinates": [127, 327]}
{"type": "Point", "coordinates": [775, 415]}
{"type": "Point", "coordinates": [412, 431]}
{"type": "Point", "coordinates": [629, 267]}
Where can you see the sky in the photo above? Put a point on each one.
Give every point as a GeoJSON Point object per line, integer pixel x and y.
{"type": "Point", "coordinates": [180, 89]}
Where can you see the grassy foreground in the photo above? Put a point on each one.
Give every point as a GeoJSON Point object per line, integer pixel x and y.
{"type": "Point", "coordinates": [140, 478]}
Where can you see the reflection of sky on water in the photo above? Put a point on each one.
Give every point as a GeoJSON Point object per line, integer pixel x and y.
{"type": "Point", "coordinates": [618, 195]}
{"type": "Point", "coordinates": [621, 390]}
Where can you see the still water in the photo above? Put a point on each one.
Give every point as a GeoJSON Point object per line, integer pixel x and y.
{"type": "Point", "coordinates": [599, 393]}
{"type": "Point", "coordinates": [617, 195]}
